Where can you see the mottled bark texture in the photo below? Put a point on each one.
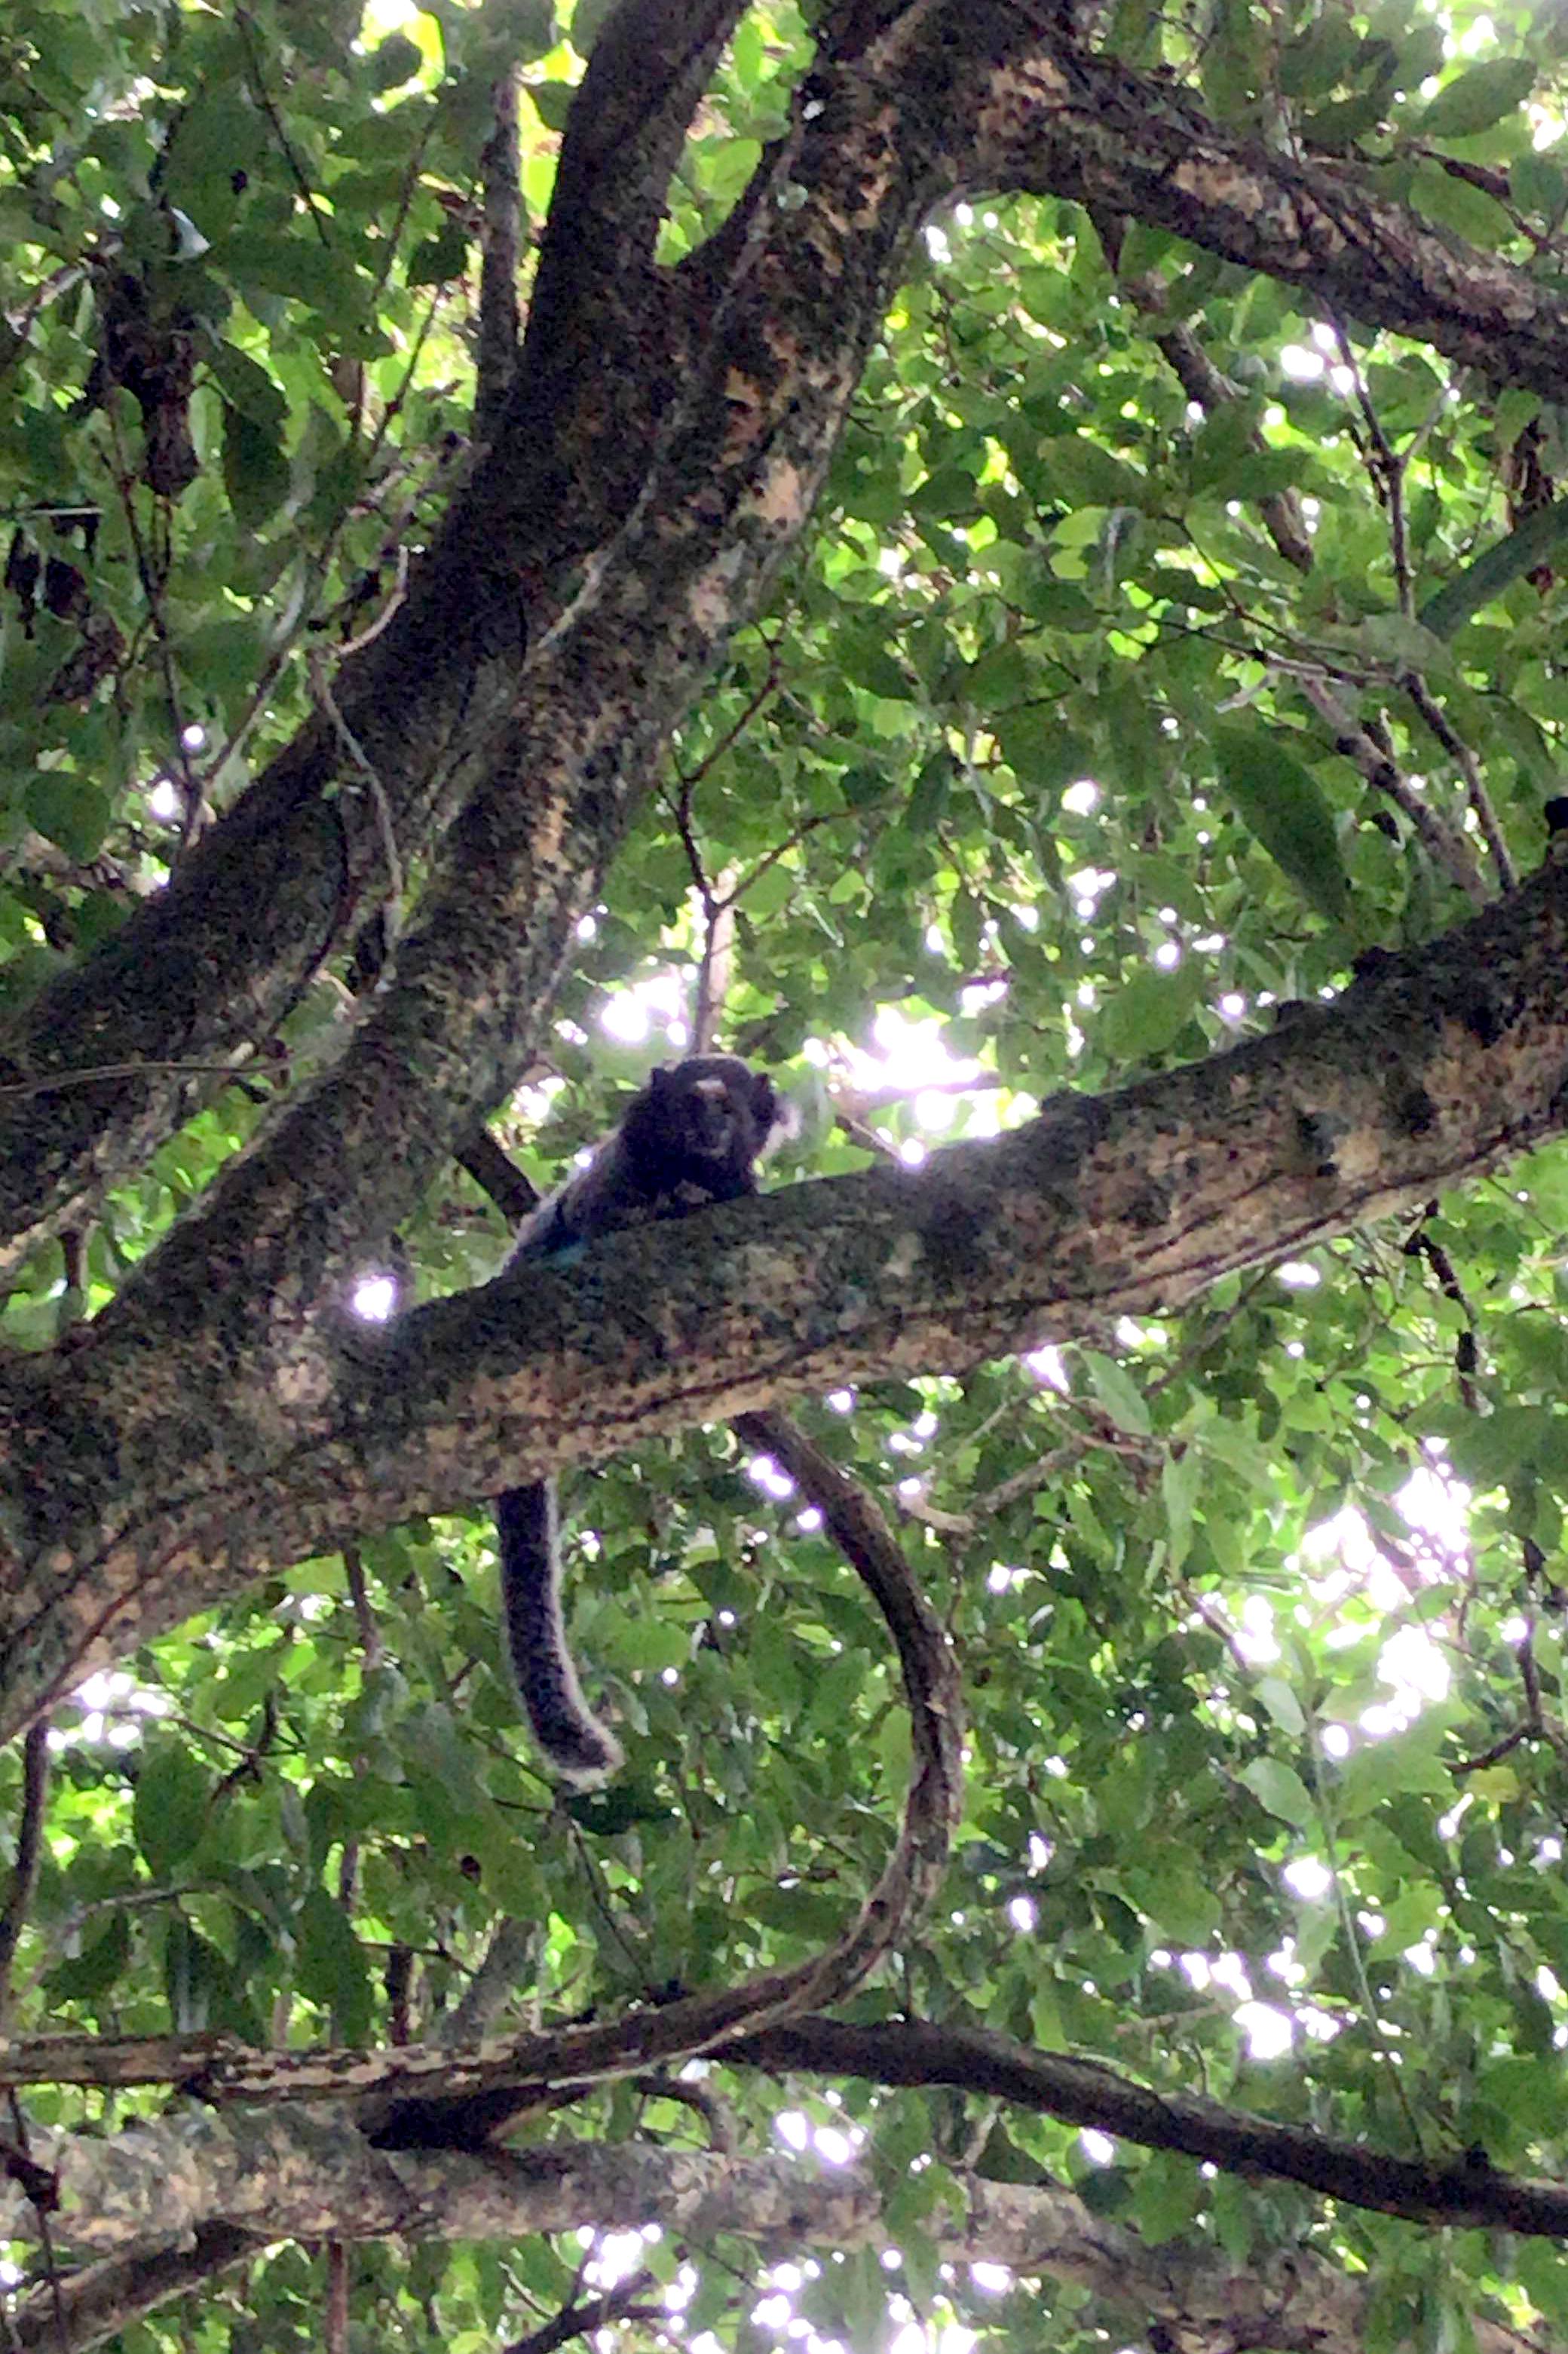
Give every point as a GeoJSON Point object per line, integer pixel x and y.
{"type": "Point", "coordinates": [907, 108]}
{"type": "Point", "coordinates": [292, 2176]}
{"type": "Point", "coordinates": [153, 1467]}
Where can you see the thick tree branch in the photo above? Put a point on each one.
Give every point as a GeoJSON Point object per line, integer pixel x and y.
{"type": "Point", "coordinates": [481, 2089]}
{"type": "Point", "coordinates": [102, 2300]}
{"type": "Point", "coordinates": [650, 67]}
{"type": "Point", "coordinates": [151, 1466]}
{"type": "Point", "coordinates": [1083, 2092]}
{"type": "Point", "coordinates": [1068, 124]}
{"type": "Point", "coordinates": [210, 967]}
{"type": "Point", "coordinates": [292, 2176]}
{"type": "Point", "coordinates": [944, 100]}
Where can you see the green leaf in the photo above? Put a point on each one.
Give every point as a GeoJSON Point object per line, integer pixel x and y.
{"type": "Point", "coordinates": [865, 658]}
{"type": "Point", "coordinates": [1281, 1790]}
{"type": "Point", "coordinates": [1404, 1763]}
{"type": "Point", "coordinates": [99, 1967]}
{"type": "Point", "coordinates": [647, 1643]}
{"type": "Point", "coordinates": [173, 1795]}
{"type": "Point", "coordinates": [1505, 561]}
{"type": "Point", "coordinates": [1181, 1476]}
{"type": "Point", "coordinates": [1004, 676]}
{"type": "Point", "coordinates": [68, 811]}
{"type": "Point", "coordinates": [1119, 1395]}
{"type": "Point", "coordinates": [1476, 99]}
{"type": "Point", "coordinates": [184, 1988]}
{"type": "Point", "coordinates": [439, 258]}
{"type": "Point", "coordinates": [395, 61]}
{"type": "Point", "coordinates": [1280, 802]}
{"type": "Point", "coordinates": [247, 386]}
{"type": "Point", "coordinates": [1537, 185]}
{"type": "Point", "coordinates": [1168, 2193]}
{"type": "Point", "coordinates": [1042, 753]}
{"type": "Point", "coordinates": [1084, 475]}
{"type": "Point", "coordinates": [1391, 638]}
{"type": "Point", "coordinates": [255, 470]}
{"type": "Point", "coordinates": [1175, 1897]}
{"type": "Point", "coordinates": [1148, 1013]}
{"type": "Point", "coordinates": [297, 266]}
{"type": "Point", "coordinates": [331, 1966]}
{"type": "Point", "coordinates": [552, 103]}
{"type": "Point", "coordinates": [1282, 1705]}
{"type": "Point", "coordinates": [1456, 204]}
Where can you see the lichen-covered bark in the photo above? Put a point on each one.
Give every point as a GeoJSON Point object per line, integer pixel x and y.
{"type": "Point", "coordinates": [908, 107]}
{"type": "Point", "coordinates": [140, 1488]}
{"type": "Point", "coordinates": [290, 2177]}
{"type": "Point", "coordinates": [1071, 124]}
{"type": "Point", "coordinates": [246, 1275]}
{"type": "Point", "coordinates": [208, 968]}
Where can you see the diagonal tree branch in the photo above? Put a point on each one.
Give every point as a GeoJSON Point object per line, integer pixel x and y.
{"type": "Point", "coordinates": [153, 1465]}
{"type": "Point", "coordinates": [100, 2300]}
{"type": "Point", "coordinates": [1466, 2190]}
{"type": "Point", "coordinates": [646, 2038]}
{"type": "Point", "coordinates": [210, 967]}
{"type": "Point", "coordinates": [943, 99]}
{"type": "Point", "coordinates": [1066, 123]}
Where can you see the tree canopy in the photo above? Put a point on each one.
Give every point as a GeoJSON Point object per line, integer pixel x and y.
{"type": "Point", "coordinates": [1004, 561]}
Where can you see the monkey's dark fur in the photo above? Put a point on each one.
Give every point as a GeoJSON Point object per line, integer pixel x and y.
{"type": "Point", "coordinates": [693, 1136]}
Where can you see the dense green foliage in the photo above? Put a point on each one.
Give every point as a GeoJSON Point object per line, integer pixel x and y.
{"type": "Point", "coordinates": [1020, 787]}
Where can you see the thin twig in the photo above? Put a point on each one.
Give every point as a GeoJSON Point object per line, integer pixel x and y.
{"type": "Point", "coordinates": [102, 2300]}
{"type": "Point", "coordinates": [29, 1854]}
{"type": "Point", "coordinates": [1387, 468]}
{"type": "Point", "coordinates": [263, 97]}
{"type": "Point", "coordinates": [622, 2303]}
{"type": "Point", "coordinates": [715, 2114]}
{"type": "Point", "coordinates": [321, 687]}
{"type": "Point", "coordinates": [716, 967]}
{"type": "Point", "coordinates": [316, 568]}
{"type": "Point", "coordinates": [1459, 752]}
{"type": "Point", "coordinates": [60, 1081]}
{"type": "Point", "coordinates": [368, 635]}
{"type": "Point", "coordinates": [152, 590]}
{"type": "Point", "coordinates": [370, 1641]}
{"type": "Point", "coordinates": [1449, 850]}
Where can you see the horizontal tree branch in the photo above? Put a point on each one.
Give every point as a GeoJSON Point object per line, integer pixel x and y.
{"type": "Point", "coordinates": [459, 2100]}
{"type": "Point", "coordinates": [294, 2176]}
{"type": "Point", "coordinates": [139, 1488]}
{"type": "Point", "coordinates": [944, 102]}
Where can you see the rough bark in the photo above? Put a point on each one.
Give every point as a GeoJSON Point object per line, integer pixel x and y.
{"type": "Point", "coordinates": [909, 109]}
{"type": "Point", "coordinates": [158, 1464]}
{"type": "Point", "coordinates": [1066, 124]}
{"type": "Point", "coordinates": [300, 2176]}
{"type": "Point", "coordinates": [438, 2096]}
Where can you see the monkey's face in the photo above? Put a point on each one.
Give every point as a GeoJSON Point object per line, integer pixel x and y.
{"type": "Point", "coordinates": [709, 1120]}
